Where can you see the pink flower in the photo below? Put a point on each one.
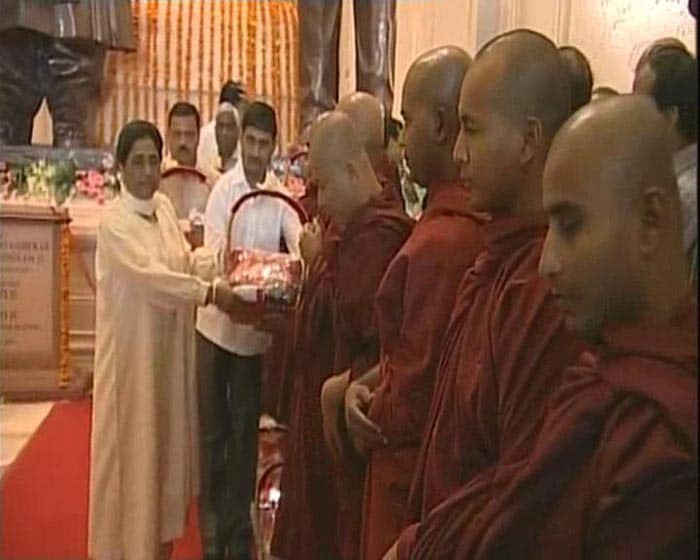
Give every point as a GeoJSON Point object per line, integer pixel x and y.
{"type": "Point", "coordinates": [96, 179]}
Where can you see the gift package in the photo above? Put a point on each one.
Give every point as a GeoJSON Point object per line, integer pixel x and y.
{"type": "Point", "coordinates": [274, 279]}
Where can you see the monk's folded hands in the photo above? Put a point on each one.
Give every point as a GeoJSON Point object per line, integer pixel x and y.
{"type": "Point", "coordinates": [365, 434]}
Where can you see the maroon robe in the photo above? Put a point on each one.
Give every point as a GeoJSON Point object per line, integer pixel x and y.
{"type": "Point", "coordinates": [614, 471]}
{"type": "Point", "coordinates": [414, 304]}
{"type": "Point", "coordinates": [505, 352]}
{"type": "Point", "coordinates": [335, 330]}
{"type": "Point", "coordinates": [306, 522]}
{"type": "Point", "coordinates": [389, 178]}
{"type": "Point", "coordinates": [368, 244]}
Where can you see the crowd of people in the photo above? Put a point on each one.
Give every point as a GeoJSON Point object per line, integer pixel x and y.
{"type": "Point", "coordinates": [495, 350]}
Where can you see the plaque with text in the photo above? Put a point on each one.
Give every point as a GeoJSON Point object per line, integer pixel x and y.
{"type": "Point", "coordinates": [30, 298]}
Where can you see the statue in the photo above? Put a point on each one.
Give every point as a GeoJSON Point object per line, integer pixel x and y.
{"type": "Point", "coordinates": [55, 49]}
{"type": "Point", "coordinates": [319, 35]}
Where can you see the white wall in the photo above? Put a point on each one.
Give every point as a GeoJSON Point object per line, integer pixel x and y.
{"type": "Point", "coordinates": [612, 33]}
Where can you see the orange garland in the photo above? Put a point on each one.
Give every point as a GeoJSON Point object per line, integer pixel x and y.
{"type": "Point", "coordinates": [188, 53]}
{"type": "Point", "coordinates": [200, 67]}
{"type": "Point", "coordinates": [153, 15]}
{"type": "Point", "coordinates": [64, 374]}
{"type": "Point", "coordinates": [136, 80]}
{"type": "Point", "coordinates": [178, 55]}
{"type": "Point", "coordinates": [166, 84]}
{"type": "Point", "coordinates": [251, 44]}
{"type": "Point", "coordinates": [276, 76]}
{"type": "Point", "coordinates": [241, 58]}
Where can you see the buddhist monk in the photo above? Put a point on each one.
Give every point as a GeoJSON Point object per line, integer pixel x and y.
{"type": "Point", "coordinates": [614, 471]}
{"type": "Point", "coordinates": [506, 347]}
{"type": "Point", "coordinates": [366, 113]}
{"type": "Point", "coordinates": [367, 232]}
{"type": "Point", "coordinates": [414, 301]}
{"type": "Point", "coordinates": [306, 523]}
{"type": "Point", "coordinates": [580, 76]}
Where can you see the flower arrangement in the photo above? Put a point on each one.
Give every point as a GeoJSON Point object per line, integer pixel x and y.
{"type": "Point", "coordinates": [95, 185]}
{"type": "Point", "coordinates": [55, 182]}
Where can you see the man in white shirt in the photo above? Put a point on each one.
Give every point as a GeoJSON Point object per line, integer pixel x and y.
{"type": "Point", "coordinates": [209, 153]}
{"type": "Point", "coordinates": [229, 355]}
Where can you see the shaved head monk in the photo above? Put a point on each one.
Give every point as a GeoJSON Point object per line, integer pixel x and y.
{"type": "Point", "coordinates": [614, 471]}
{"type": "Point", "coordinates": [414, 302]}
{"type": "Point", "coordinates": [366, 114]}
{"type": "Point", "coordinates": [506, 347]}
{"type": "Point", "coordinates": [370, 232]}
{"type": "Point", "coordinates": [306, 522]}
{"type": "Point", "coordinates": [580, 76]}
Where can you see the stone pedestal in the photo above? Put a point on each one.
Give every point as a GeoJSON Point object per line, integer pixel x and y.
{"type": "Point", "coordinates": [34, 349]}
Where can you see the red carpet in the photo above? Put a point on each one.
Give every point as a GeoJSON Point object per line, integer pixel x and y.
{"type": "Point", "coordinates": [44, 493]}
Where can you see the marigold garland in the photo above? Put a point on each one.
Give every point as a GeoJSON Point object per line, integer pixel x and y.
{"type": "Point", "coordinates": [275, 56]}
{"type": "Point", "coordinates": [64, 375]}
{"type": "Point", "coordinates": [166, 60]}
{"type": "Point", "coordinates": [200, 65]}
{"type": "Point", "coordinates": [251, 46]}
{"type": "Point", "coordinates": [153, 16]}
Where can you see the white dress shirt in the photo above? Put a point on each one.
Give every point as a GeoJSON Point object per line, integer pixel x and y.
{"type": "Point", "coordinates": [261, 223]}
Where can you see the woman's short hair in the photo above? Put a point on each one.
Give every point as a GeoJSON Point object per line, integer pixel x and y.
{"type": "Point", "coordinates": [133, 131]}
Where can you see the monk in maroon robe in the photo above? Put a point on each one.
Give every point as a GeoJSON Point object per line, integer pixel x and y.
{"type": "Point", "coordinates": [614, 471]}
{"type": "Point", "coordinates": [366, 113]}
{"type": "Point", "coordinates": [414, 301]}
{"type": "Point", "coordinates": [336, 331]}
{"type": "Point", "coordinates": [301, 528]}
{"type": "Point", "coordinates": [506, 347]}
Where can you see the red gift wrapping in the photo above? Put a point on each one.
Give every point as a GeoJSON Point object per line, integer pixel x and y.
{"type": "Point", "coordinates": [265, 277]}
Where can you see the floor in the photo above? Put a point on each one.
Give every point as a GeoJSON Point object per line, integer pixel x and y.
{"type": "Point", "coordinates": [18, 422]}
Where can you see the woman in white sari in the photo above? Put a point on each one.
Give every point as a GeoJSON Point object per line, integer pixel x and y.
{"type": "Point", "coordinates": [144, 445]}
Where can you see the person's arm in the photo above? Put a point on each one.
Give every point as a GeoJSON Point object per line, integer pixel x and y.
{"type": "Point", "coordinates": [365, 434]}
{"type": "Point", "coordinates": [370, 378]}
{"type": "Point", "coordinates": [332, 393]}
{"type": "Point", "coordinates": [121, 251]}
{"type": "Point", "coordinates": [291, 230]}
{"type": "Point", "coordinates": [216, 216]}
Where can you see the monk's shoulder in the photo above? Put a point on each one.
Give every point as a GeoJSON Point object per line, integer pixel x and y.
{"type": "Point", "coordinates": [384, 229]}
{"type": "Point", "coordinates": [639, 448]}
{"type": "Point", "coordinates": [447, 231]}
{"type": "Point", "coordinates": [518, 287]}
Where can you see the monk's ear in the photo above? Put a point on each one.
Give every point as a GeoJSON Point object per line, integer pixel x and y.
{"type": "Point", "coordinates": [442, 133]}
{"type": "Point", "coordinates": [351, 169]}
{"type": "Point", "coordinates": [532, 138]}
{"type": "Point", "coordinates": [655, 215]}
{"type": "Point", "coordinates": [671, 113]}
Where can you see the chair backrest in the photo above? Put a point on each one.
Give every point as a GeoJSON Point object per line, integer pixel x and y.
{"type": "Point", "coordinates": [187, 189]}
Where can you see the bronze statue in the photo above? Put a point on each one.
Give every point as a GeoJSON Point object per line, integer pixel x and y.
{"type": "Point", "coordinates": [55, 49]}
{"type": "Point", "coordinates": [319, 35]}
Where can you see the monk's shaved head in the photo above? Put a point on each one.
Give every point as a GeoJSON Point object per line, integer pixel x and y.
{"type": "Point", "coordinates": [514, 98]}
{"type": "Point", "coordinates": [580, 76]}
{"type": "Point", "coordinates": [334, 139]}
{"type": "Point", "coordinates": [430, 110]}
{"type": "Point", "coordinates": [532, 81]}
{"type": "Point", "coordinates": [367, 117]}
{"type": "Point", "coordinates": [614, 249]}
{"type": "Point", "coordinates": [626, 139]}
{"type": "Point", "coordinates": [340, 167]}
{"type": "Point", "coordinates": [436, 76]}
